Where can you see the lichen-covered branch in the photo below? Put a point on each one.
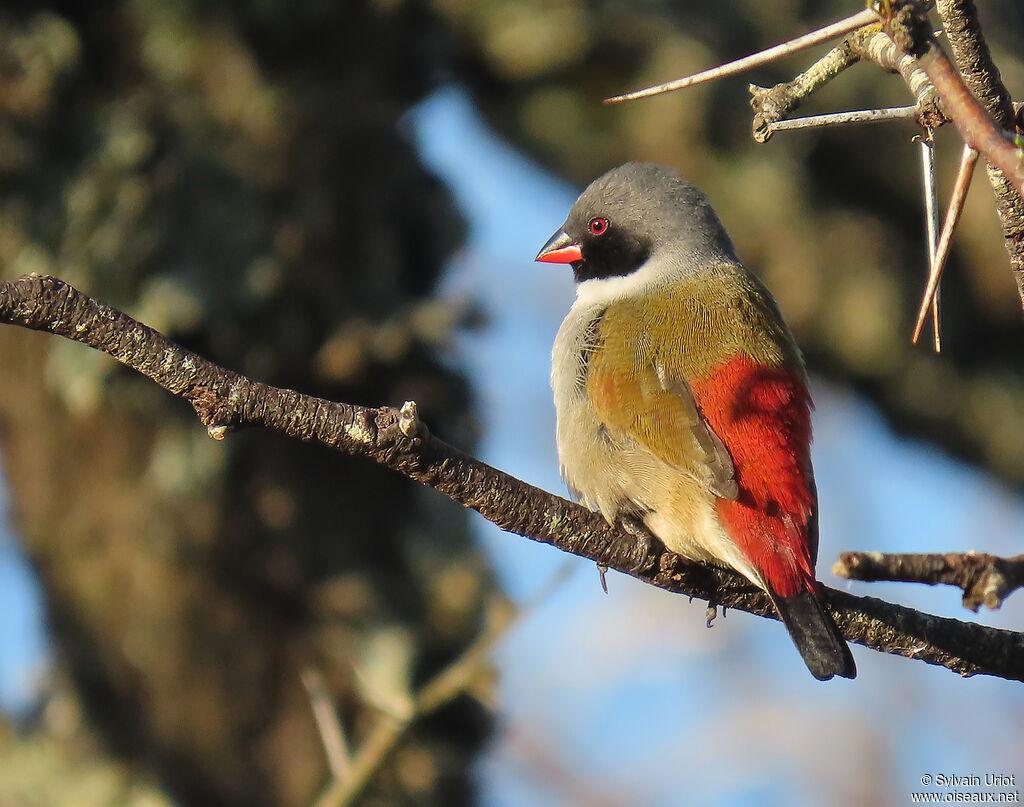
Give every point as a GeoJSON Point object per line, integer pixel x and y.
{"type": "Point", "coordinates": [873, 45]}
{"type": "Point", "coordinates": [985, 579]}
{"type": "Point", "coordinates": [772, 104]}
{"type": "Point", "coordinates": [973, 59]}
{"type": "Point", "coordinates": [225, 400]}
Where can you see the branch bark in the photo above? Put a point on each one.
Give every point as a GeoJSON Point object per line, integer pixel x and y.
{"type": "Point", "coordinates": [225, 401]}
{"type": "Point", "coordinates": [772, 104]}
{"type": "Point", "coordinates": [872, 44]}
{"type": "Point", "coordinates": [985, 579]}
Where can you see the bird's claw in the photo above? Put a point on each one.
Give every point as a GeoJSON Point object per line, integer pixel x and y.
{"type": "Point", "coordinates": [645, 544]}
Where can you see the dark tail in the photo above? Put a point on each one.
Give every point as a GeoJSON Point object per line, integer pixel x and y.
{"type": "Point", "coordinates": [816, 636]}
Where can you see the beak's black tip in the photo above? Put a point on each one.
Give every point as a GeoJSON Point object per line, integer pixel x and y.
{"type": "Point", "coordinates": [559, 249]}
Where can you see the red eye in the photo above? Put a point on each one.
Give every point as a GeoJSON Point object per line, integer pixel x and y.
{"type": "Point", "coordinates": [598, 226]}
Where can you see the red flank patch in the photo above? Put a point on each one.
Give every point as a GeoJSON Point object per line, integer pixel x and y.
{"type": "Point", "coordinates": [762, 415]}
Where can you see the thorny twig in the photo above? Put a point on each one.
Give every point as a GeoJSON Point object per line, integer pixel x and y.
{"type": "Point", "coordinates": [957, 199]}
{"type": "Point", "coordinates": [931, 209]}
{"type": "Point", "coordinates": [772, 105]}
{"type": "Point", "coordinates": [832, 31]}
{"type": "Point", "coordinates": [859, 116]}
{"type": "Point", "coordinates": [909, 28]}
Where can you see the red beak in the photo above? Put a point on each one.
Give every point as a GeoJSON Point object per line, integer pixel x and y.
{"type": "Point", "coordinates": [560, 249]}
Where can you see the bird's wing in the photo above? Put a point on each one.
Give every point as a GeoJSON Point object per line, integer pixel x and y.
{"type": "Point", "coordinates": [646, 404]}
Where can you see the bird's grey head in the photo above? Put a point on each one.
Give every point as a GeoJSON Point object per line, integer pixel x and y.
{"type": "Point", "coordinates": [634, 212]}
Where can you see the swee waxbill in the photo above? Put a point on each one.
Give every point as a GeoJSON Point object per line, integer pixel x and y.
{"type": "Point", "coordinates": [682, 398]}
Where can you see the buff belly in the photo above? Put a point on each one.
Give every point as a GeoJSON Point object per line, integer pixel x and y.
{"type": "Point", "coordinates": [623, 481]}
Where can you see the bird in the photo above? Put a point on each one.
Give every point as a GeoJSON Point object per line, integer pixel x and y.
{"type": "Point", "coordinates": [682, 399]}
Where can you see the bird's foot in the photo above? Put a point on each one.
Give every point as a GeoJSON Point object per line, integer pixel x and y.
{"type": "Point", "coordinates": [711, 613]}
{"type": "Point", "coordinates": [645, 547]}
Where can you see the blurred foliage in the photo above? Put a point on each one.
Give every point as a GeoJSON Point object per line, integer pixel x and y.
{"type": "Point", "coordinates": [234, 175]}
{"type": "Point", "coordinates": [832, 220]}
{"type": "Point", "coordinates": [62, 762]}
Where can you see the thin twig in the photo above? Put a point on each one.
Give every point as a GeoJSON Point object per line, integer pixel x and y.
{"type": "Point", "coordinates": [870, 43]}
{"type": "Point", "coordinates": [985, 579]}
{"type": "Point", "coordinates": [968, 159]}
{"type": "Point", "coordinates": [861, 18]}
{"type": "Point", "coordinates": [858, 116]}
{"type": "Point", "coordinates": [332, 733]}
{"type": "Point", "coordinates": [373, 753]}
{"type": "Point", "coordinates": [931, 211]}
{"type": "Point", "coordinates": [225, 400]}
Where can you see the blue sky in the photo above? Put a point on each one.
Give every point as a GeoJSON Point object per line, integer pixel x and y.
{"type": "Point", "coordinates": [23, 654]}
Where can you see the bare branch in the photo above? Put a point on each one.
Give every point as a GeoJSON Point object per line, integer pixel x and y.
{"type": "Point", "coordinates": [457, 678]}
{"type": "Point", "coordinates": [874, 45]}
{"type": "Point", "coordinates": [773, 104]}
{"type": "Point", "coordinates": [907, 46]}
{"type": "Point", "coordinates": [972, 57]}
{"type": "Point", "coordinates": [909, 28]}
{"type": "Point", "coordinates": [856, 117]}
{"type": "Point", "coordinates": [226, 400]}
{"type": "Point", "coordinates": [985, 579]}
{"type": "Point", "coordinates": [839, 28]}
